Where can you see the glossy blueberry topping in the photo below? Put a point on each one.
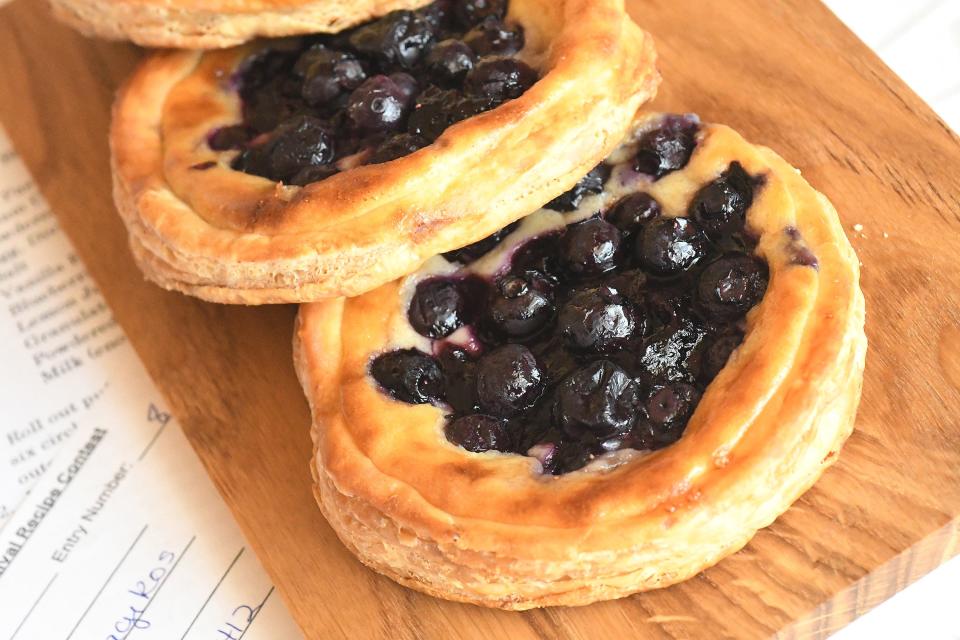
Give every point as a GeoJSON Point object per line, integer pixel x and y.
{"type": "Point", "coordinates": [591, 247]}
{"type": "Point", "coordinates": [304, 141]}
{"type": "Point", "coordinates": [379, 104]}
{"type": "Point", "coordinates": [730, 286]}
{"type": "Point", "coordinates": [670, 245]}
{"type": "Point", "coordinates": [494, 38]}
{"type": "Point", "coordinates": [408, 72]}
{"type": "Point", "coordinates": [477, 432]}
{"type": "Point", "coordinates": [597, 336]}
{"type": "Point", "coordinates": [597, 319]}
{"type": "Point", "coordinates": [521, 303]}
{"type": "Point", "coordinates": [327, 74]}
{"type": "Point", "coordinates": [591, 183]}
{"type": "Point", "coordinates": [667, 147]}
{"type": "Point", "coordinates": [399, 38]}
{"type": "Point", "coordinates": [499, 79]}
{"type": "Point", "coordinates": [509, 380]}
{"type": "Point", "coordinates": [600, 399]}
{"type": "Point", "coordinates": [397, 146]}
{"type": "Point", "coordinates": [437, 109]}
{"type": "Point", "coordinates": [632, 212]}
{"type": "Point", "coordinates": [668, 409]}
{"type": "Point", "coordinates": [408, 375]}
{"type": "Point", "coordinates": [437, 308]}
{"type": "Point", "coordinates": [721, 206]}
{"type": "Point", "coordinates": [470, 12]}
{"type": "Point", "coordinates": [450, 61]}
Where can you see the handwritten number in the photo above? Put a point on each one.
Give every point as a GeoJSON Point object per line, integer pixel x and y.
{"type": "Point", "coordinates": [156, 415]}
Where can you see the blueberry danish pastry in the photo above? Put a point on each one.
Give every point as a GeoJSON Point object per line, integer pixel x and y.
{"type": "Point", "coordinates": [605, 397]}
{"type": "Point", "coordinates": [325, 165]}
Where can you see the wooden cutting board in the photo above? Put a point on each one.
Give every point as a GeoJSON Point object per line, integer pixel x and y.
{"type": "Point", "coordinates": [786, 74]}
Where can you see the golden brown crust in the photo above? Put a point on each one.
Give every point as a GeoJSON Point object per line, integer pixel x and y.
{"type": "Point", "coordinates": [487, 528]}
{"type": "Point", "coordinates": [215, 24]}
{"type": "Point", "coordinates": [232, 237]}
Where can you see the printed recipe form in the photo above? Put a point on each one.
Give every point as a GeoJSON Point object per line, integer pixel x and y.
{"type": "Point", "coordinates": [122, 534]}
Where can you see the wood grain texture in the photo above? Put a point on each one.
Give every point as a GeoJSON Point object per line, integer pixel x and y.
{"type": "Point", "coordinates": [786, 74]}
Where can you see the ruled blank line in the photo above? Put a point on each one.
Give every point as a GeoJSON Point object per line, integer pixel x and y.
{"type": "Point", "coordinates": [34, 606]}
{"type": "Point", "coordinates": [152, 441]}
{"type": "Point", "coordinates": [209, 597]}
{"type": "Point", "coordinates": [109, 578]}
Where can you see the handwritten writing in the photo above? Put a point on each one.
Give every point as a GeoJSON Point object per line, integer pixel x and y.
{"type": "Point", "coordinates": [140, 596]}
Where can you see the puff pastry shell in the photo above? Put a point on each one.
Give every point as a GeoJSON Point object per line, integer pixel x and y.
{"type": "Point", "coordinates": [212, 24]}
{"type": "Point", "coordinates": [487, 528]}
{"type": "Point", "coordinates": [227, 236]}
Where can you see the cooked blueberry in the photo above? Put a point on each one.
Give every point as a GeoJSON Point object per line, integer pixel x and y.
{"type": "Point", "coordinates": [301, 142]}
{"type": "Point", "coordinates": [437, 308]}
{"type": "Point", "coordinates": [493, 37]}
{"type": "Point", "coordinates": [407, 85]}
{"type": "Point", "coordinates": [668, 305]}
{"type": "Point", "coordinates": [399, 38]}
{"type": "Point", "coordinates": [669, 353]}
{"type": "Point", "coordinates": [400, 145]}
{"type": "Point", "coordinates": [631, 284]}
{"type": "Point", "coordinates": [569, 456]}
{"type": "Point", "coordinates": [520, 304]}
{"type": "Point", "coordinates": [596, 319]}
{"type": "Point", "coordinates": [480, 248]}
{"type": "Point", "coordinates": [666, 148]}
{"type": "Point", "coordinates": [264, 110]}
{"type": "Point", "coordinates": [470, 12]}
{"type": "Point", "coordinates": [254, 160]}
{"type": "Point", "coordinates": [408, 375]}
{"type": "Point", "coordinates": [438, 13]}
{"type": "Point", "coordinates": [508, 380]}
{"type": "Point", "coordinates": [478, 433]}
{"type": "Point", "coordinates": [671, 405]}
{"type": "Point", "coordinates": [590, 184]}
{"type": "Point", "coordinates": [730, 286]}
{"type": "Point", "coordinates": [438, 109]}
{"type": "Point", "coordinates": [260, 69]}
{"type": "Point", "coordinates": [670, 245]}
{"type": "Point", "coordinates": [600, 399]}
{"type": "Point", "coordinates": [449, 62]}
{"type": "Point", "coordinates": [721, 206]}
{"type": "Point", "coordinates": [590, 247]}
{"type": "Point", "coordinates": [315, 173]}
{"type": "Point", "coordinates": [632, 212]}
{"type": "Point", "coordinates": [539, 254]}
{"type": "Point", "coordinates": [460, 378]}
{"type": "Point", "coordinates": [379, 104]}
{"type": "Point", "coordinates": [227, 138]}
{"type": "Point", "coordinates": [717, 353]}
{"type": "Point", "coordinates": [499, 79]}
{"type": "Point", "coordinates": [328, 74]}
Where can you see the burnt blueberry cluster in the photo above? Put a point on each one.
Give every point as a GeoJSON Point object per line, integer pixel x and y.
{"type": "Point", "coordinates": [599, 337]}
{"type": "Point", "coordinates": [374, 93]}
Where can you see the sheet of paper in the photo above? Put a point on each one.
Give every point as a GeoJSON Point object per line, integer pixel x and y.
{"type": "Point", "coordinates": [58, 341]}
{"type": "Point", "coordinates": [122, 533]}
